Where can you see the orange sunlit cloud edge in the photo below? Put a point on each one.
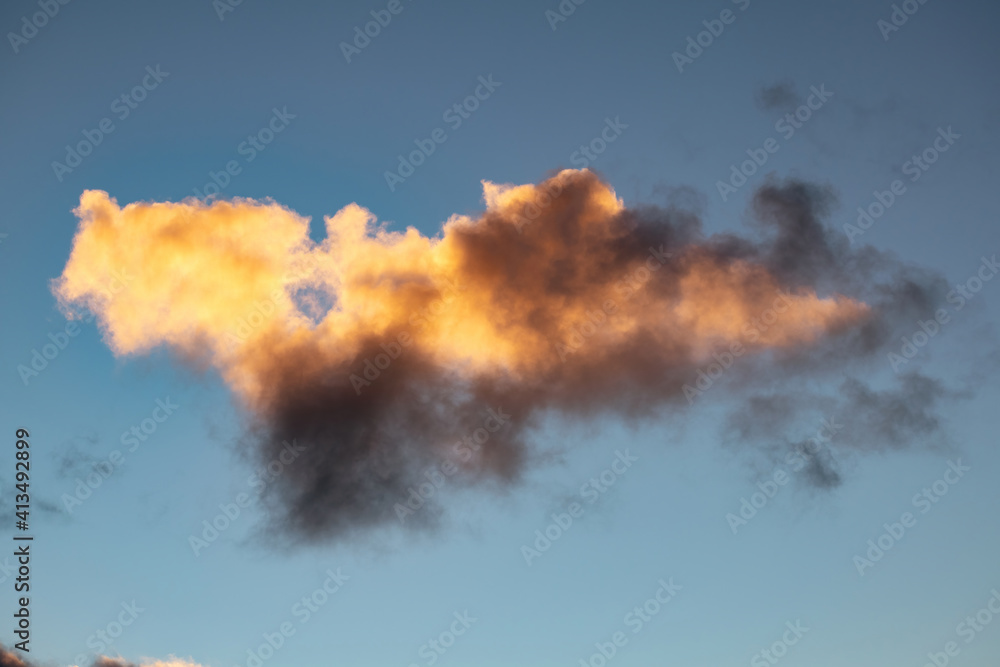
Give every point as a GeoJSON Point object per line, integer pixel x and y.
{"type": "Point", "coordinates": [376, 350]}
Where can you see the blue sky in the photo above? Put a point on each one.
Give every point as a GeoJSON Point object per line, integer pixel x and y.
{"type": "Point", "coordinates": [344, 124]}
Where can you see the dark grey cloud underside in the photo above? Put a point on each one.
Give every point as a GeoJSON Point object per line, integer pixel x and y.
{"type": "Point", "coordinates": [364, 452]}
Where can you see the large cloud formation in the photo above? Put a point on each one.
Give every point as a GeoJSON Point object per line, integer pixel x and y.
{"type": "Point", "coordinates": [381, 353]}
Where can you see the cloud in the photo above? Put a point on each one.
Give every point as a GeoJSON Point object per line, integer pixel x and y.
{"type": "Point", "coordinates": [11, 659]}
{"type": "Point", "coordinates": [379, 353]}
{"type": "Point", "coordinates": [864, 418]}
{"type": "Point", "coordinates": [780, 96]}
{"type": "Point", "coordinates": [105, 661]}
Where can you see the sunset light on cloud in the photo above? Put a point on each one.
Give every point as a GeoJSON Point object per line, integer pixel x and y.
{"type": "Point", "coordinates": [193, 270]}
{"type": "Point", "coordinates": [391, 333]}
{"type": "Point", "coordinates": [556, 299]}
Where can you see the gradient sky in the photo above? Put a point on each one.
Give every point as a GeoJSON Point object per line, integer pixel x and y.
{"type": "Point", "coordinates": [665, 518]}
